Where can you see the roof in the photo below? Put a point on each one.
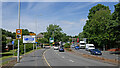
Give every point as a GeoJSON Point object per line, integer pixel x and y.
{"type": "Point", "coordinates": [8, 38]}
{"type": "Point", "coordinates": [9, 44]}
{"type": "Point", "coordinates": [40, 35]}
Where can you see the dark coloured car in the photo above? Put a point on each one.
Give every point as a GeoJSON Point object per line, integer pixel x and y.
{"type": "Point", "coordinates": [77, 47]}
{"type": "Point", "coordinates": [61, 49]}
{"type": "Point", "coordinates": [95, 52]}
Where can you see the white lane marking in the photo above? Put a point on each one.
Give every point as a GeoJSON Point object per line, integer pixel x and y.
{"type": "Point", "coordinates": [71, 60]}
{"type": "Point", "coordinates": [63, 57]}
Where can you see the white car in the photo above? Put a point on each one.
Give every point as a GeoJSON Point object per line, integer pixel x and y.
{"type": "Point", "coordinates": [56, 47]}
{"type": "Point", "coordinates": [90, 46]}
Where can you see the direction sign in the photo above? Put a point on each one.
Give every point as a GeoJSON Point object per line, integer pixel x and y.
{"type": "Point", "coordinates": [12, 42]}
{"type": "Point", "coordinates": [28, 39]}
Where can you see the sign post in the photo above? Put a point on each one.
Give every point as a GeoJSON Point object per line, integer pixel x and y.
{"type": "Point", "coordinates": [13, 47]}
{"type": "Point", "coordinates": [24, 49]}
{"type": "Point", "coordinates": [18, 36]}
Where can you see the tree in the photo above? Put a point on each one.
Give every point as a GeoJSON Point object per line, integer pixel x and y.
{"type": "Point", "coordinates": [96, 28]}
{"type": "Point", "coordinates": [25, 32]}
{"type": "Point", "coordinates": [116, 25]}
{"type": "Point", "coordinates": [98, 7]}
{"type": "Point", "coordinates": [43, 40]}
{"type": "Point", "coordinates": [53, 31]}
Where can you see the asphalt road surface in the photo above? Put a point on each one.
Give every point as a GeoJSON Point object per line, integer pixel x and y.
{"type": "Point", "coordinates": [104, 54]}
{"type": "Point", "coordinates": [56, 58]}
{"type": "Point", "coordinates": [50, 58]}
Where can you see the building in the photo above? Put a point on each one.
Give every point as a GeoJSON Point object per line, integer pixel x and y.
{"type": "Point", "coordinates": [39, 36]}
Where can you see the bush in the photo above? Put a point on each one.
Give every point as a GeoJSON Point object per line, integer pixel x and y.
{"type": "Point", "coordinates": [67, 45]}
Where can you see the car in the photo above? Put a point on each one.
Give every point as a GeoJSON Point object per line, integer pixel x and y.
{"type": "Point", "coordinates": [61, 49]}
{"type": "Point", "coordinates": [95, 52]}
{"type": "Point", "coordinates": [56, 47]}
{"type": "Point", "coordinates": [77, 47]}
{"type": "Point", "coordinates": [47, 46]}
{"type": "Point", "coordinates": [72, 46]}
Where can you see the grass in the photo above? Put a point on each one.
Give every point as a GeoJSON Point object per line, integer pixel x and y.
{"type": "Point", "coordinates": [10, 52]}
{"type": "Point", "coordinates": [4, 63]}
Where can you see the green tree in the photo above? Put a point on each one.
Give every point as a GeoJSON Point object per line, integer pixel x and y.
{"type": "Point", "coordinates": [43, 40]}
{"type": "Point", "coordinates": [96, 28]}
{"type": "Point", "coordinates": [53, 31]}
{"type": "Point", "coordinates": [25, 32]}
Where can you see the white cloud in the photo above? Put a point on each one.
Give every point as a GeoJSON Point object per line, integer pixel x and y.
{"type": "Point", "coordinates": [83, 20]}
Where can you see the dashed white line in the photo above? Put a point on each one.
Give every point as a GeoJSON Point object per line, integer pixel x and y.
{"type": "Point", "coordinates": [71, 60]}
{"type": "Point", "coordinates": [63, 57]}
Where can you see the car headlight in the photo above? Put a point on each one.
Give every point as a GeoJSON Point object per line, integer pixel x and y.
{"type": "Point", "coordinates": [96, 52]}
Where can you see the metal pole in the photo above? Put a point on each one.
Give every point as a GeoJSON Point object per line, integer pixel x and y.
{"type": "Point", "coordinates": [13, 50]}
{"type": "Point", "coordinates": [72, 39]}
{"type": "Point", "coordinates": [24, 49]}
{"type": "Point", "coordinates": [36, 45]}
{"type": "Point", "coordinates": [33, 46]}
{"type": "Point", "coordinates": [18, 55]}
{"type": "Point", "coordinates": [53, 36]}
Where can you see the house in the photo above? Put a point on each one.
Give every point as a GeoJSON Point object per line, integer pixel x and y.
{"type": "Point", "coordinates": [39, 36]}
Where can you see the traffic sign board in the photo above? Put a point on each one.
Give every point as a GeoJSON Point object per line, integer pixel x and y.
{"type": "Point", "coordinates": [28, 39]}
{"type": "Point", "coordinates": [18, 33]}
{"type": "Point", "coordinates": [12, 42]}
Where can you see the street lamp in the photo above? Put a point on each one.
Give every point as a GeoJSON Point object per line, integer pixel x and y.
{"type": "Point", "coordinates": [18, 55]}
{"type": "Point", "coordinates": [36, 28]}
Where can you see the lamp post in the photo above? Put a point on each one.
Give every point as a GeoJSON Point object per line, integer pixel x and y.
{"type": "Point", "coordinates": [36, 28]}
{"type": "Point", "coordinates": [18, 55]}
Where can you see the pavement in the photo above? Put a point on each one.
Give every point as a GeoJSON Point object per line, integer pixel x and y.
{"type": "Point", "coordinates": [34, 59]}
{"type": "Point", "coordinates": [105, 54]}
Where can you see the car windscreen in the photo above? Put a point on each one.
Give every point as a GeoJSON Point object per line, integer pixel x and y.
{"type": "Point", "coordinates": [82, 43]}
{"type": "Point", "coordinates": [91, 46]}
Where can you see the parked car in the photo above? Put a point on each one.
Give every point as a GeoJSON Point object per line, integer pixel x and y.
{"type": "Point", "coordinates": [61, 49]}
{"type": "Point", "coordinates": [95, 52]}
{"type": "Point", "coordinates": [77, 47]}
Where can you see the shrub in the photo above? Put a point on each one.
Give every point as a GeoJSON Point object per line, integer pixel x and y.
{"type": "Point", "coordinates": [67, 45]}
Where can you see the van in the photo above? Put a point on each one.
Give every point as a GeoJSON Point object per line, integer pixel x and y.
{"type": "Point", "coordinates": [82, 44]}
{"type": "Point", "coordinates": [89, 47]}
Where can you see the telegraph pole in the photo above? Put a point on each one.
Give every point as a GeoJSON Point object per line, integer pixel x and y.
{"type": "Point", "coordinates": [18, 55]}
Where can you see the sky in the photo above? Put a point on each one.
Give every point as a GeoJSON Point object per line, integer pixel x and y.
{"type": "Point", "coordinates": [36, 16]}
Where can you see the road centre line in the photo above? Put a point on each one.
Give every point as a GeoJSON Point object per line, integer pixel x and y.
{"type": "Point", "coordinates": [71, 60]}
{"type": "Point", "coordinates": [46, 59]}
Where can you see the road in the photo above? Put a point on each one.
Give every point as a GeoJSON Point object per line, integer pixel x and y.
{"type": "Point", "coordinates": [104, 54]}
{"type": "Point", "coordinates": [56, 58]}
{"type": "Point", "coordinates": [51, 58]}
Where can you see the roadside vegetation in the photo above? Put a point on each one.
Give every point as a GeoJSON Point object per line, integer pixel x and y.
{"type": "Point", "coordinates": [103, 27]}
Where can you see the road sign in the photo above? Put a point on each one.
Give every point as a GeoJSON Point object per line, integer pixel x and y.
{"type": "Point", "coordinates": [18, 33]}
{"type": "Point", "coordinates": [77, 40]}
{"type": "Point", "coordinates": [12, 42]}
{"type": "Point", "coordinates": [32, 34]}
{"type": "Point", "coordinates": [51, 40]}
{"type": "Point", "coordinates": [28, 39]}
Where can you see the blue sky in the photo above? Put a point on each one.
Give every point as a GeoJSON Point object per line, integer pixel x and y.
{"type": "Point", "coordinates": [70, 16]}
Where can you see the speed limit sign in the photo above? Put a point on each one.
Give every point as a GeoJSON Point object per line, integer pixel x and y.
{"type": "Point", "coordinates": [18, 33]}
